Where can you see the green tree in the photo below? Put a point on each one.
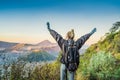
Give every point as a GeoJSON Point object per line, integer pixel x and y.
{"type": "Point", "coordinates": [17, 70]}
{"type": "Point", "coordinates": [115, 27]}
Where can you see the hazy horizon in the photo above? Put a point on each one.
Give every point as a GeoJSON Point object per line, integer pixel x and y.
{"type": "Point", "coordinates": [24, 21]}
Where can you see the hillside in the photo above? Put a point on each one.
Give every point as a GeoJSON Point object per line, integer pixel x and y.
{"type": "Point", "coordinates": [39, 56]}
{"type": "Point", "coordinates": [110, 43]}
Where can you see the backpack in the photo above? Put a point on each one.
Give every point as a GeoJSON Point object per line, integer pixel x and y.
{"type": "Point", "coordinates": [71, 56]}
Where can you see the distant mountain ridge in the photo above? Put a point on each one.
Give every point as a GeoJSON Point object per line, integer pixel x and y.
{"type": "Point", "coordinates": [45, 45]}
{"type": "Point", "coordinates": [4, 44]}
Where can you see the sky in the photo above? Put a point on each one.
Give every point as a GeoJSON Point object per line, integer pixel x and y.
{"type": "Point", "coordinates": [24, 21]}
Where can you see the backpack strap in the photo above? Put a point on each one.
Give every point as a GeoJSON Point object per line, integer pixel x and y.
{"type": "Point", "coordinates": [66, 53]}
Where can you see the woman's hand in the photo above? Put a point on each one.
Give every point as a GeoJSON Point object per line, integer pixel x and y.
{"type": "Point", "coordinates": [48, 25]}
{"type": "Point", "coordinates": [93, 31]}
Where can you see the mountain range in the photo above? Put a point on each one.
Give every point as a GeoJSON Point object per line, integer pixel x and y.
{"type": "Point", "coordinates": [45, 45]}
{"type": "Point", "coordinates": [4, 44]}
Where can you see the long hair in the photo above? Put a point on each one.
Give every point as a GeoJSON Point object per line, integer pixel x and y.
{"type": "Point", "coordinates": [70, 34]}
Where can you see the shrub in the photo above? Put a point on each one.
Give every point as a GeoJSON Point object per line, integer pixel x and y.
{"type": "Point", "coordinates": [102, 66]}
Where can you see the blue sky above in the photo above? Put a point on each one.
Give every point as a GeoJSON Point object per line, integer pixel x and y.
{"type": "Point", "coordinates": [25, 20]}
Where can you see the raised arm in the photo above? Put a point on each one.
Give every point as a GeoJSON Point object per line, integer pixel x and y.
{"type": "Point", "coordinates": [84, 38]}
{"type": "Point", "coordinates": [59, 39]}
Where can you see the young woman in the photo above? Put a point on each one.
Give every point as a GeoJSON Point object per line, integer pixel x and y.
{"type": "Point", "coordinates": [63, 45]}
